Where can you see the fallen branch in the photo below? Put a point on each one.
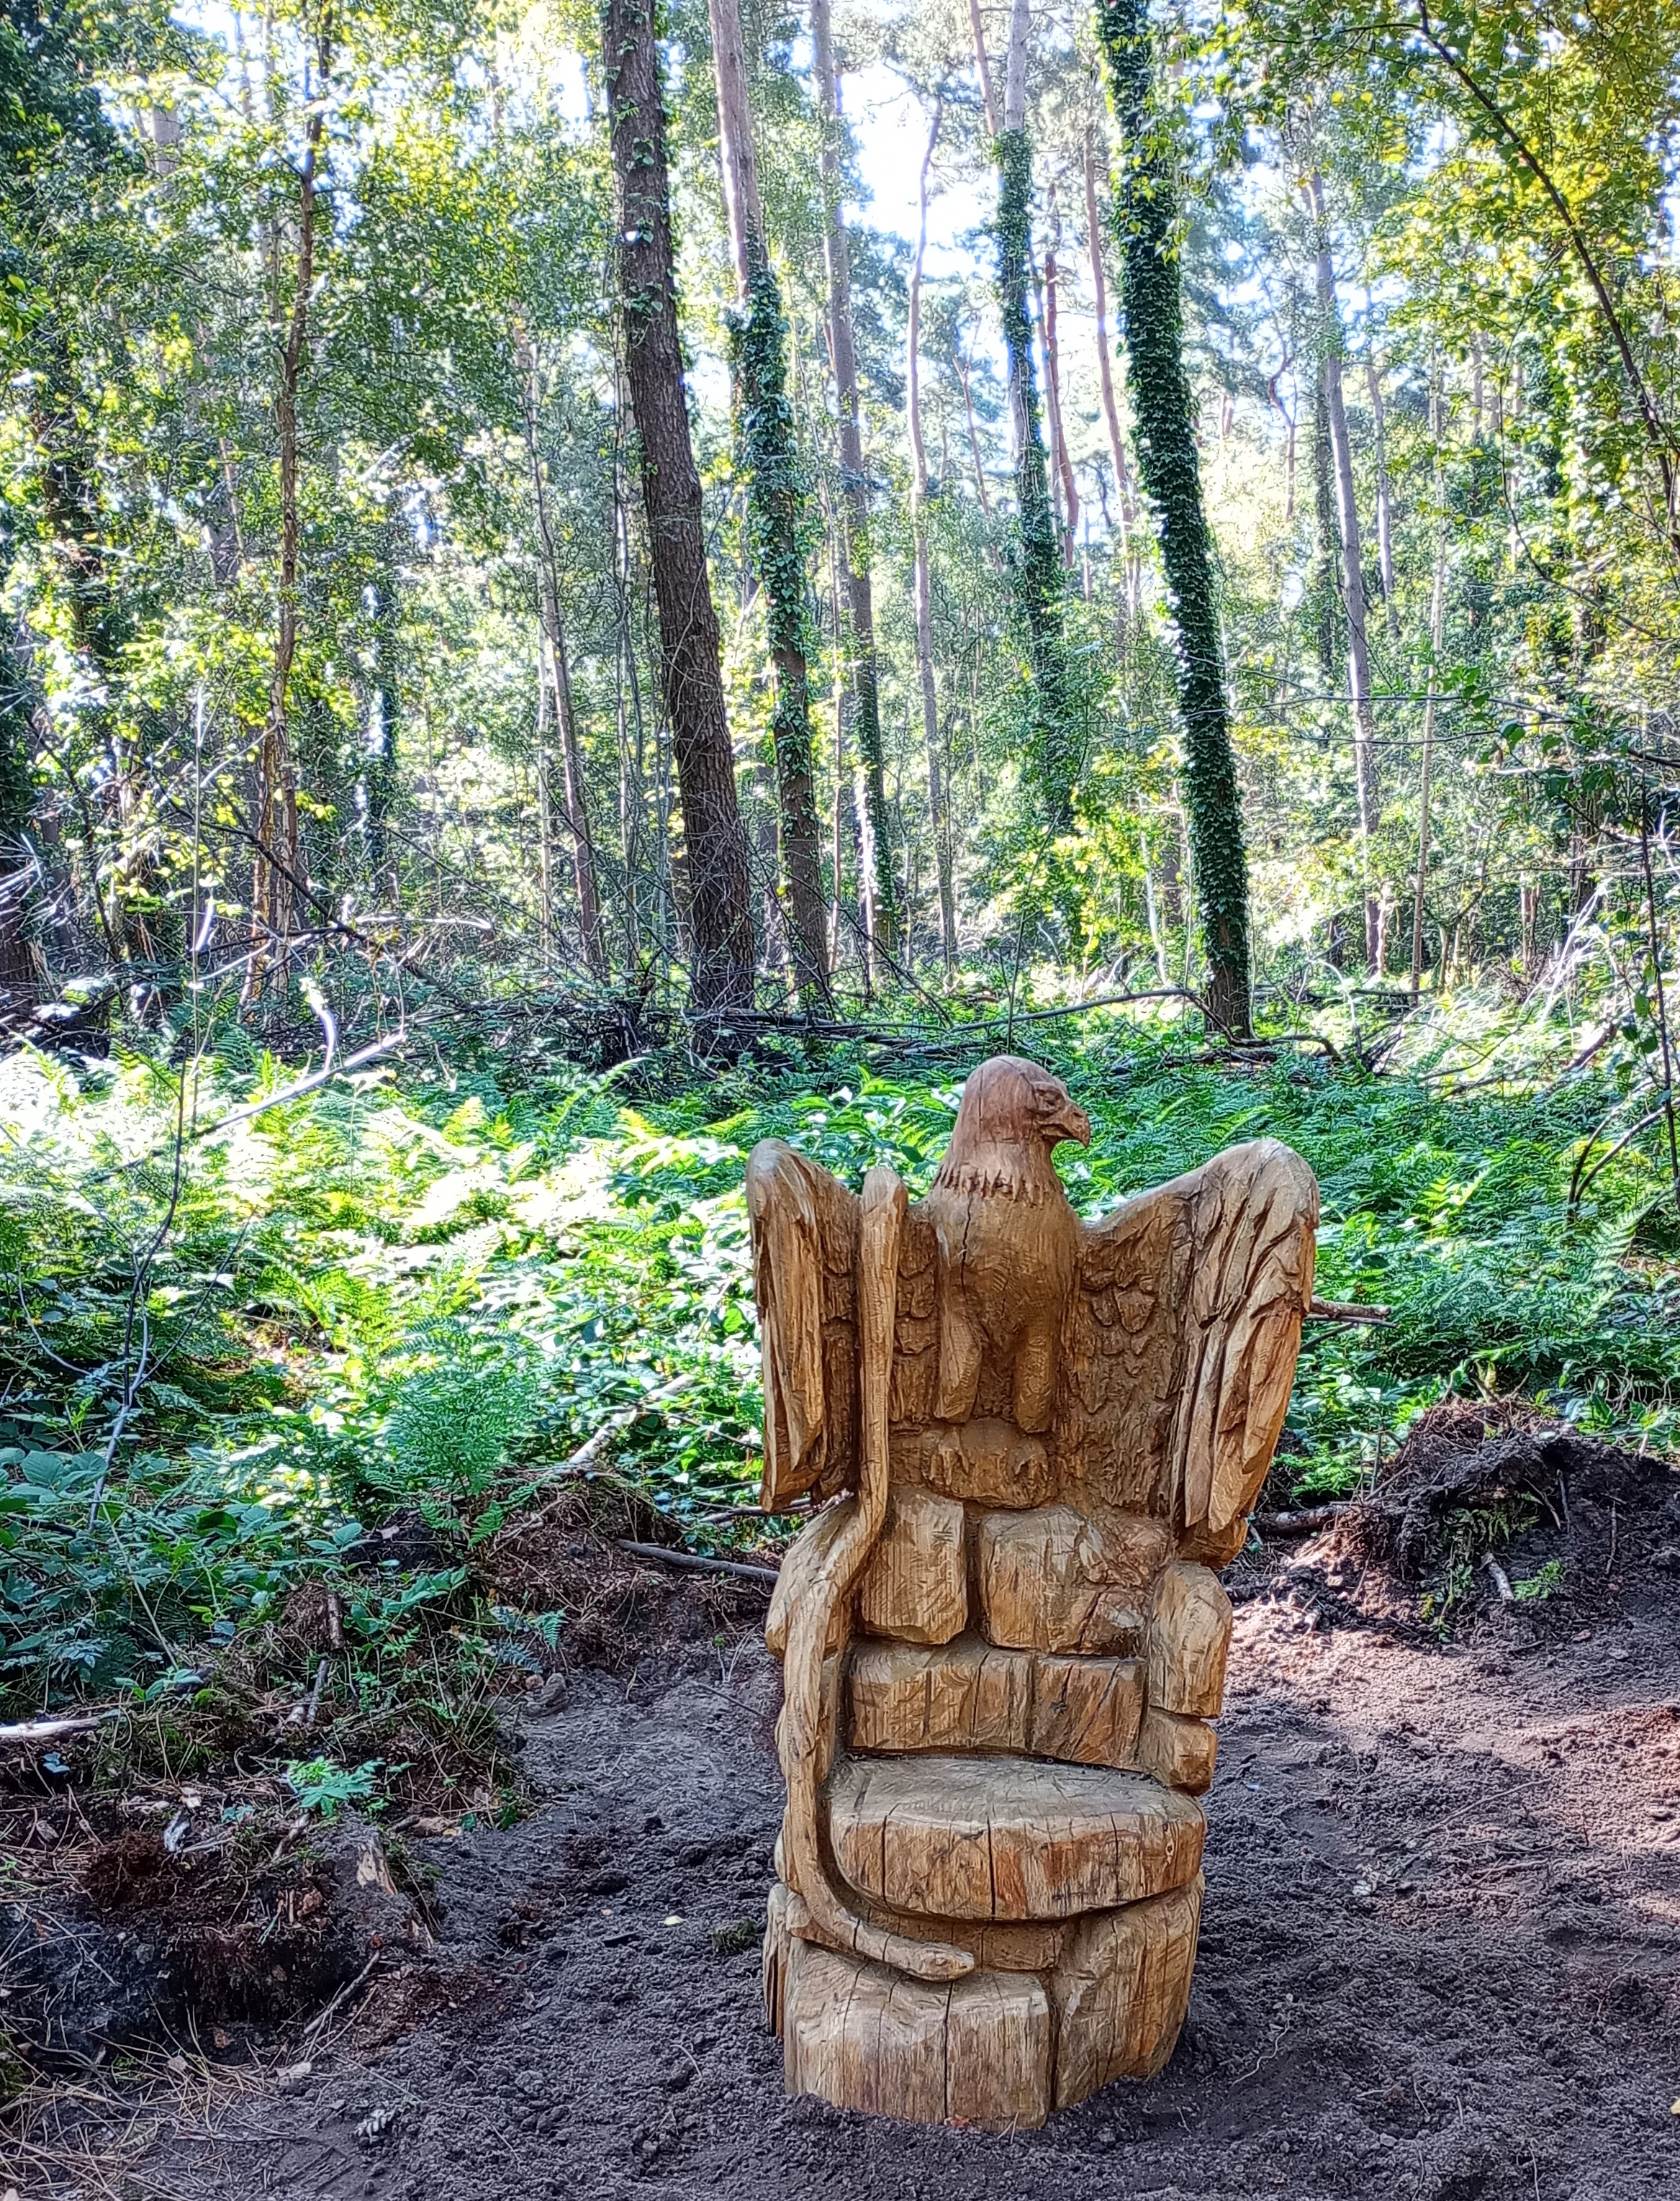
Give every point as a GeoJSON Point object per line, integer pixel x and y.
{"type": "Point", "coordinates": [1347, 1311]}
{"type": "Point", "coordinates": [1300, 1522]}
{"type": "Point", "coordinates": [358, 1061]}
{"type": "Point", "coordinates": [581, 1461]}
{"type": "Point", "coordinates": [694, 1561]}
{"type": "Point", "coordinates": [29, 1732]}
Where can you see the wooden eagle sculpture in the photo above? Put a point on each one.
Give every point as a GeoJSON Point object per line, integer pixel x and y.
{"type": "Point", "coordinates": [1003, 1639]}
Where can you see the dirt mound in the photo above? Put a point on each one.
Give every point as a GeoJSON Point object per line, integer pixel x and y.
{"type": "Point", "coordinates": [1499, 1504]}
{"type": "Point", "coordinates": [211, 1935]}
{"type": "Point", "coordinates": [621, 1611]}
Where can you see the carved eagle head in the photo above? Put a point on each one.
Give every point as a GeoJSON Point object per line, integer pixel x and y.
{"type": "Point", "coordinates": [1012, 1113]}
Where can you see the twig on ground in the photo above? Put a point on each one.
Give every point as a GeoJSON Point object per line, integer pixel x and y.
{"type": "Point", "coordinates": [357, 1061]}
{"type": "Point", "coordinates": [314, 1706]}
{"type": "Point", "coordinates": [349, 1987]}
{"type": "Point", "coordinates": [698, 1565]}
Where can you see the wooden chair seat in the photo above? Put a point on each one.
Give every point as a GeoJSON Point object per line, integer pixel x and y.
{"type": "Point", "coordinates": [1007, 1838]}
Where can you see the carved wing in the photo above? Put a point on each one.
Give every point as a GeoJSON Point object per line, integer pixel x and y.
{"type": "Point", "coordinates": [1181, 1342]}
{"type": "Point", "coordinates": [805, 1238]}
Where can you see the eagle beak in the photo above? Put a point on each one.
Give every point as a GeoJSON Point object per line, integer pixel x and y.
{"type": "Point", "coordinates": [1069, 1123]}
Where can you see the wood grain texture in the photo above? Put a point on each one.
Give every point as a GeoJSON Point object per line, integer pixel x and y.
{"type": "Point", "coordinates": [915, 1587]}
{"type": "Point", "coordinates": [1006, 1838]}
{"type": "Point", "coordinates": [805, 1228]}
{"type": "Point", "coordinates": [970, 1696]}
{"type": "Point", "coordinates": [1121, 1990]}
{"type": "Point", "coordinates": [1087, 1711]}
{"type": "Point", "coordinates": [998, 1945]}
{"type": "Point", "coordinates": [962, 1696]}
{"type": "Point", "coordinates": [1008, 1242]}
{"type": "Point", "coordinates": [773, 1954]}
{"type": "Point", "coordinates": [915, 1362]}
{"type": "Point", "coordinates": [863, 2037]}
{"type": "Point", "coordinates": [985, 1462]}
{"type": "Point", "coordinates": [1189, 1638]}
{"type": "Point", "coordinates": [807, 1730]}
{"type": "Point", "coordinates": [1179, 1753]}
{"type": "Point", "coordinates": [1179, 1342]}
{"type": "Point", "coordinates": [1055, 1579]}
{"type": "Point", "coordinates": [808, 1556]}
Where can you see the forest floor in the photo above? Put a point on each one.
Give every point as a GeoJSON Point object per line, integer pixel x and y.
{"type": "Point", "coordinates": [1439, 1955]}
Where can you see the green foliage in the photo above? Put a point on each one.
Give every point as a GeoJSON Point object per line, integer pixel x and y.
{"type": "Point", "coordinates": [1542, 1584]}
{"type": "Point", "coordinates": [323, 1787]}
{"type": "Point", "coordinates": [401, 1306]}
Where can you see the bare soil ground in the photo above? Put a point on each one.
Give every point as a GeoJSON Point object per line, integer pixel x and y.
{"type": "Point", "coordinates": [1440, 1956]}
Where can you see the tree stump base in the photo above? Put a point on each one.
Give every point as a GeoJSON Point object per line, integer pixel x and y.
{"type": "Point", "coordinates": [1053, 2016]}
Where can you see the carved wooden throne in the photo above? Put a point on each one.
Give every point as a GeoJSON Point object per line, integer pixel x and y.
{"type": "Point", "coordinates": [1003, 1647]}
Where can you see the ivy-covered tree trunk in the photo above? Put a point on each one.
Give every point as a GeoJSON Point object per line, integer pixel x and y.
{"type": "Point", "coordinates": [20, 962]}
{"type": "Point", "coordinates": [718, 904]}
{"type": "Point", "coordinates": [938, 806]}
{"type": "Point", "coordinates": [879, 897]}
{"type": "Point", "coordinates": [1040, 579]}
{"type": "Point", "coordinates": [1151, 312]}
{"type": "Point", "coordinates": [775, 507]}
{"type": "Point", "coordinates": [1353, 568]}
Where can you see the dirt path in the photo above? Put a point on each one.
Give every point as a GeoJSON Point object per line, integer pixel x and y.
{"type": "Point", "coordinates": [1441, 1958]}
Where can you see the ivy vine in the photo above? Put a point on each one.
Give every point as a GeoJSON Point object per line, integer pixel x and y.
{"type": "Point", "coordinates": [1054, 746]}
{"type": "Point", "coordinates": [1147, 207]}
{"type": "Point", "coordinates": [777, 536]}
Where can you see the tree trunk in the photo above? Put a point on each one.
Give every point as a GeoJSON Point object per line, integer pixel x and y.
{"type": "Point", "coordinates": [545, 853]}
{"type": "Point", "coordinates": [1438, 602]}
{"type": "Point", "coordinates": [923, 609]}
{"type": "Point", "coordinates": [982, 69]}
{"type": "Point", "coordinates": [632, 726]}
{"type": "Point", "coordinates": [1111, 411]}
{"type": "Point", "coordinates": [1385, 555]}
{"type": "Point", "coordinates": [963, 372]}
{"type": "Point", "coordinates": [1064, 461]}
{"type": "Point", "coordinates": [836, 859]}
{"type": "Point", "coordinates": [1039, 577]}
{"type": "Point", "coordinates": [719, 910]}
{"type": "Point", "coordinates": [275, 879]}
{"type": "Point", "coordinates": [854, 549]}
{"type": "Point", "coordinates": [574, 804]}
{"type": "Point", "coordinates": [379, 772]}
{"type": "Point", "coordinates": [1353, 570]}
{"type": "Point", "coordinates": [1165, 416]}
{"type": "Point", "coordinates": [775, 504]}
{"type": "Point", "coordinates": [1327, 590]}
{"type": "Point", "coordinates": [21, 967]}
